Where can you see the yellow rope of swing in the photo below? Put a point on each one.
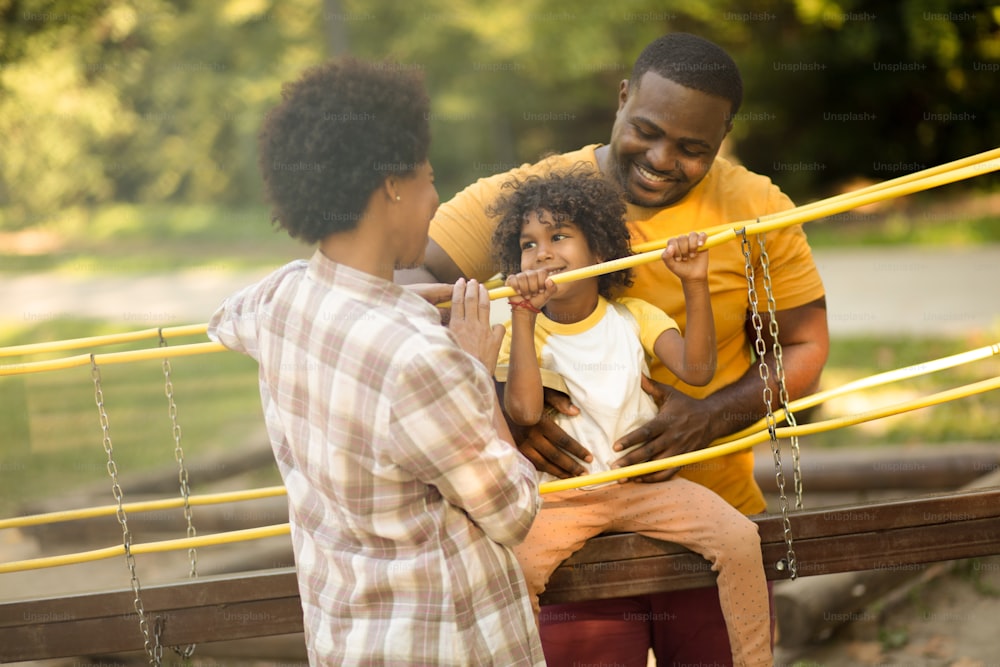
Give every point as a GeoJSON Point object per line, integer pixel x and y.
{"type": "Point", "coordinates": [548, 487]}
{"type": "Point", "coordinates": [157, 353]}
{"type": "Point", "coordinates": [178, 544]}
{"type": "Point", "coordinates": [141, 506]}
{"type": "Point", "coordinates": [767, 223]}
{"type": "Point", "coordinates": [748, 441]}
{"type": "Point", "coordinates": [803, 403]}
{"type": "Point", "coordinates": [100, 341]}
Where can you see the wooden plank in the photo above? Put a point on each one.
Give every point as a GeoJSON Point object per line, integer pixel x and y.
{"type": "Point", "coordinates": [893, 534]}
{"type": "Point", "coordinates": [918, 468]}
{"type": "Point", "coordinates": [811, 608]}
{"type": "Point", "coordinates": [896, 534]}
{"type": "Point", "coordinates": [226, 607]}
{"type": "Point", "coordinates": [920, 511]}
{"type": "Point", "coordinates": [215, 590]}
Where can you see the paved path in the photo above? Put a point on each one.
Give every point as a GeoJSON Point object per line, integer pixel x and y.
{"type": "Point", "coordinates": [142, 301]}
{"type": "Point", "coordinates": [917, 291]}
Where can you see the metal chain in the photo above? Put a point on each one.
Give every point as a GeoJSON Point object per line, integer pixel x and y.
{"type": "Point", "coordinates": [760, 348]}
{"type": "Point", "coordinates": [182, 478]}
{"type": "Point", "coordinates": [151, 645]}
{"type": "Point", "coordinates": [779, 372]}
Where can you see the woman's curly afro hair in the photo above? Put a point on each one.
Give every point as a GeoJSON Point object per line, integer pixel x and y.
{"type": "Point", "coordinates": [580, 196]}
{"type": "Point", "coordinates": [339, 131]}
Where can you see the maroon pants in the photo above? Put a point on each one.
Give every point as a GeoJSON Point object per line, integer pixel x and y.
{"type": "Point", "coordinates": [682, 628]}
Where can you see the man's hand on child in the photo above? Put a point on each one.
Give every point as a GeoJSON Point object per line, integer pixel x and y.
{"type": "Point", "coordinates": [548, 447]}
{"type": "Point", "coordinates": [682, 425]}
{"type": "Point", "coordinates": [683, 257]}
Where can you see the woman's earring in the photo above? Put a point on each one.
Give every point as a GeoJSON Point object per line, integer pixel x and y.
{"type": "Point", "coordinates": [398, 197]}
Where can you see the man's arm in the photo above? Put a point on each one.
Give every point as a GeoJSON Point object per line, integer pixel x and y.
{"type": "Point", "coordinates": [685, 424]}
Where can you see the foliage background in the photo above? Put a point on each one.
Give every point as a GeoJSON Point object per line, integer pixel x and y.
{"type": "Point", "coordinates": [159, 101]}
{"type": "Point", "coordinates": [128, 130]}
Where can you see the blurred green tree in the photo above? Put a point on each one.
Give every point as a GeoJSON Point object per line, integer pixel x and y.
{"type": "Point", "coordinates": [160, 100]}
{"type": "Point", "coordinates": [141, 100]}
{"type": "Point", "coordinates": [870, 90]}
{"type": "Point", "coordinates": [835, 91]}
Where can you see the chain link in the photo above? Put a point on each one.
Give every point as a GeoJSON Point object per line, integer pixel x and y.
{"type": "Point", "coordinates": [151, 645]}
{"type": "Point", "coordinates": [182, 478]}
{"type": "Point", "coordinates": [764, 371]}
{"type": "Point", "coordinates": [779, 372]}
{"type": "Point", "coordinates": [158, 624]}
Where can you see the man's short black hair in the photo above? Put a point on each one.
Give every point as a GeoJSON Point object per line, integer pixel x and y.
{"type": "Point", "coordinates": [693, 62]}
{"type": "Point", "coordinates": [339, 131]}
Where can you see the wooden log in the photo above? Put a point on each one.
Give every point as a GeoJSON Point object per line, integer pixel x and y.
{"type": "Point", "coordinates": [886, 535]}
{"type": "Point", "coordinates": [228, 607]}
{"type": "Point", "coordinates": [810, 609]}
{"type": "Point", "coordinates": [898, 467]}
{"type": "Point", "coordinates": [878, 536]}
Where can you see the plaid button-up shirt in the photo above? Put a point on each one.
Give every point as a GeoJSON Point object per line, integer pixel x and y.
{"type": "Point", "coordinates": [403, 501]}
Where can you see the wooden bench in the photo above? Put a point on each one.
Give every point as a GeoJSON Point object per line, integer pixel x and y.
{"type": "Point", "coordinates": [886, 535]}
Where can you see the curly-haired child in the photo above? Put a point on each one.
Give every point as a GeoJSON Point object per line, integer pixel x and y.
{"type": "Point", "coordinates": [599, 345]}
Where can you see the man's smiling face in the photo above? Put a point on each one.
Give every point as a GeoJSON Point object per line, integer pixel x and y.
{"type": "Point", "coordinates": [664, 139]}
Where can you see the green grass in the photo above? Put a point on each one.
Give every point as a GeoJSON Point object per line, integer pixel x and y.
{"type": "Point", "coordinates": [50, 434]}
{"type": "Point", "coordinates": [51, 439]}
{"type": "Point", "coordinates": [975, 418]}
{"type": "Point", "coordinates": [945, 231]}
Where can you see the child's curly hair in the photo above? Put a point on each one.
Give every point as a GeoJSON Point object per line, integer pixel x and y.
{"type": "Point", "coordinates": [580, 196]}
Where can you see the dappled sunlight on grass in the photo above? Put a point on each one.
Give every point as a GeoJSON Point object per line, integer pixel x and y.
{"type": "Point", "coordinates": [50, 432]}
{"type": "Point", "coordinates": [975, 418]}
{"type": "Point", "coordinates": [929, 220]}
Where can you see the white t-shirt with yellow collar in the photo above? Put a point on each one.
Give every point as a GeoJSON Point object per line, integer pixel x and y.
{"type": "Point", "coordinates": [601, 360]}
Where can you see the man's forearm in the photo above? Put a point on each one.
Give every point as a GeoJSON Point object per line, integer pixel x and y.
{"type": "Point", "coordinates": [741, 404]}
{"type": "Point", "coordinates": [805, 343]}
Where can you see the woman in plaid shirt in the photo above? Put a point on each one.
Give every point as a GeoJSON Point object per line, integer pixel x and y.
{"type": "Point", "coordinates": [405, 493]}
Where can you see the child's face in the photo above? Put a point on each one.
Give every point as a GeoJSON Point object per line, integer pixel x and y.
{"type": "Point", "coordinates": [557, 246]}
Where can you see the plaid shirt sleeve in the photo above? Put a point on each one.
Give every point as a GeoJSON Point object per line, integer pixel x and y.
{"type": "Point", "coordinates": [446, 439]}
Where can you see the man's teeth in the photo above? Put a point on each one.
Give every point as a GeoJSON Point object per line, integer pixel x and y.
{"type": "Point", "coordinates": [650, 175]}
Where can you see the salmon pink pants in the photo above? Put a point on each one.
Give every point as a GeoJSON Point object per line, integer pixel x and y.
{"type": "Point", "coordinates": [678, 511]}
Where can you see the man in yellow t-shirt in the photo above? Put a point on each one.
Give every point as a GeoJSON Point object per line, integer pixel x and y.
{"type": "Point", "coordinates": [673, 114]}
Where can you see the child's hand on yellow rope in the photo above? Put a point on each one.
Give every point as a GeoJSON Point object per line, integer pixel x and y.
{"type": "Point", "coordinates": [683, 257]}
{"type": "Point", "coordinates": [534, 289]}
